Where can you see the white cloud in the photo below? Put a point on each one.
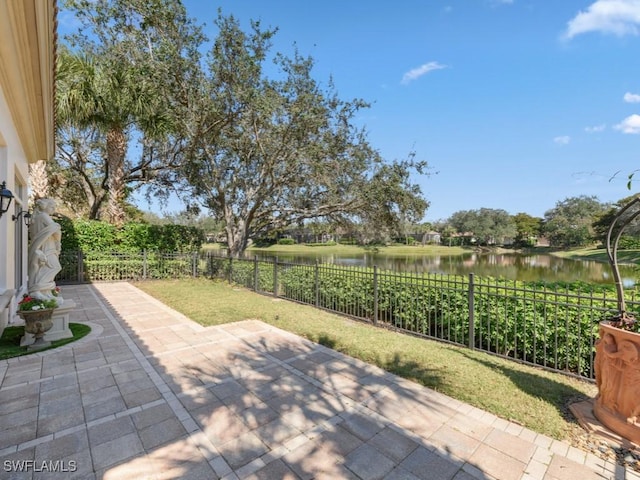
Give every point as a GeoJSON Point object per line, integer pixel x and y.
{"type": "Point", "coordinates": [416, 73]}
{"type": "Point", "coordinates": [562, 140]}
{"type": "Point", "coordinates": [630, 125]}
{"type": "Point", "coordinates": [631, 97]}
{"type": "Point", "coordinates": [620, 17]}
{"type": "Point", "coordinates": [595, 128]}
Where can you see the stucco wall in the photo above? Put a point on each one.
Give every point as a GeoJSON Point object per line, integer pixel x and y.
{"type": "Point", "coordinates": [13, 164]}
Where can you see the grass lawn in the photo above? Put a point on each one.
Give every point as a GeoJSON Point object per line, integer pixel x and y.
{"type": "Point", "coordinates": [10, 340]}
{"type": "Point", "coordinates": [625, 257]}
{"type": "Point", "coordinates": [532, 397]}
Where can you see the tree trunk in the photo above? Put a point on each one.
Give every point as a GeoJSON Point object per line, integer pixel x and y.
{"type": "Point", "coordinates": [237, 236]}
{"type": "Point", "coordinates": [116, 151]}
{"type": "Point", "coordinates": [39, 180]}
{"type": "Point", "coordinates": [95, 204]}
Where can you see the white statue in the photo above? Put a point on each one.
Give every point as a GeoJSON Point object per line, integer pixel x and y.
{"type": "Point", "coordinates": [44, 252]}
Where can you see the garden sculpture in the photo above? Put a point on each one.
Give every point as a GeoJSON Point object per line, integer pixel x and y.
{"type": "Point", "coordinates": [44, 251]}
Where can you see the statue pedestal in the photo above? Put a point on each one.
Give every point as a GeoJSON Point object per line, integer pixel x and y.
{"type": "Point", "coordinates": [60, 328]}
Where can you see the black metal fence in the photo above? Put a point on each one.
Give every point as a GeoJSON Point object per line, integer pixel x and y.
{"type": "Point", "coordinates": [81, 267]}
{"type": "Point", "coordinates": [552, 327]}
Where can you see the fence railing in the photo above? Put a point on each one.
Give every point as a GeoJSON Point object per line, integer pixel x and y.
{"type": "Point", "coordinates": [548, 326]}
{"type": "Point", "coordinates": [81, 267]}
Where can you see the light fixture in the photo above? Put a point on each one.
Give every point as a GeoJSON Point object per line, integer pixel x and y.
{"type": "Point", "coordinates": [5, 198]}
{"type": "Point", "coordinates": [25, 215]}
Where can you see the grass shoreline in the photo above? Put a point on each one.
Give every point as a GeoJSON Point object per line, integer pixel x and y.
{"type": "Point", "coordinates": [625, 257]}
{"type": "Point", "coordinates": [303, 249]}
{"type": "Point", "coordinates": [533, 397]}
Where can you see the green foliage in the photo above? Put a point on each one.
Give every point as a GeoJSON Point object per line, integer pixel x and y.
{"type": "Point", "coordinates": [69, 242]}
{"type": "Point", "coordinates": [329, 243]}
{"type": "Point", "coordinates": [548, 325]}
{"type": "Point", "coordinates": [570, 222]}
{"type": "Point", "coordinates": [269, 151]}
{"type": "Point", "coordinates": [131, 266]}
{"type": "Point", "coordinates": [631, 235]}
{"type": "Point", "coordinates": [176, 238]}
{"type": "Point", "coordinates": [487, 225]}
{"type": "Point", "coordinates": [286, 241]}
{"type": "Point", "coordinates": [92, 235]}
{"type": "Point", "coordinates": [244, 273]}
{"type": "Point", "coordinates": [527, 228]}
{"type": "Point", "coordinates": [116, 78]}
{"type": "Point", "coordinates": [96, 236]}
{"type": "Point", "coordinates": [29, 303]}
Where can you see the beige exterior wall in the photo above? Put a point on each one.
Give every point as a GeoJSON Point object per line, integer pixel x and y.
{"type": "Point", "coordinates": [14, 168]}
{"type": "Point", "coordinates": [27, 58]}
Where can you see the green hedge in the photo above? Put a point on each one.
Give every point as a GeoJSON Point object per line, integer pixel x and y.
{"type": "Point", "coordinates": [92, 236]}
{"type": "Point", "coordinates": [286, 241]}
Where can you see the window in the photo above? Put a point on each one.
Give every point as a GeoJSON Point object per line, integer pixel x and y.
{"type": "Point", "coordinates": [20, 237]}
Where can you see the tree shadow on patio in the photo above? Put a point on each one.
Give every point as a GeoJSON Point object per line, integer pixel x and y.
{"type": "Point", "coordinates": [264, 403]}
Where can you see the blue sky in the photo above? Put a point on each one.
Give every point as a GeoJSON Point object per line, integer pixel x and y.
{"type": "Point", "coordinates": [517, 104]}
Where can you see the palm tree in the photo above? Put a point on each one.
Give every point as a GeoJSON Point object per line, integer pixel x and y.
{"type": "Point", "coordinates": [110, 95]}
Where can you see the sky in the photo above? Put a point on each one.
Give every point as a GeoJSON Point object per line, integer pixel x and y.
{"type": "Point", "coordinates": [514, 104]}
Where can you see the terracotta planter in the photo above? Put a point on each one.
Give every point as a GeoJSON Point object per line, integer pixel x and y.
{"type": "Point", "coordinates": [37, 322]}
{"type": "Point", "coordinates": [617, 369]}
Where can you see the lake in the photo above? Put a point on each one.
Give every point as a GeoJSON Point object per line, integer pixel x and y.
{"type": "Point", "coordinates": [512, 266]}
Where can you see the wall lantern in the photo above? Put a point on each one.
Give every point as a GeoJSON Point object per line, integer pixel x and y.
{"type": "Point", "coordinates": [25, 215]}
{"type": "Point", "coordinates": [5, 198]}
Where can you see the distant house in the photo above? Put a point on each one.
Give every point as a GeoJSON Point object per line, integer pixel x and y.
{"type": "Point", "coordinates": [27, 62]}
{"type": "Point", "coordinates": [464, 238]}
{"type": "Point", "coordinates": [542, 242]}
{"type": "Point", "coordinates": [307, 235]}
{"type": "Point", "coordinates": [431, 238]}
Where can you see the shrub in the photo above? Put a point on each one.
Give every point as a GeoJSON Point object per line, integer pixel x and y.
{"type": "Point", "coordinates": [330, 243]}
{"type": "Point", "coordinates": [92, 235]}
{"type": "Point", "coordinates": [524, 321]}
{"type": "Point", "coordinates": [286, 241]}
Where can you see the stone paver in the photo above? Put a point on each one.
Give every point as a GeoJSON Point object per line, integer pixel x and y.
{"type": "Point", "coordinates": [151, 395]}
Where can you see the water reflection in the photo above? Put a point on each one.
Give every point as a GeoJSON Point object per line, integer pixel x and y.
{"type": "Point", "coordinates": [511, 266]}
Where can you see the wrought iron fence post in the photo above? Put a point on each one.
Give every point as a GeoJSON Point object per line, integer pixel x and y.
{"type": "Point", "coordinates": [80, 267]}
{"type": "Point", "coordinates": [144, 264]}
{"type": "Point", "coordinates": [317, 284]}
{"type": "Point", "coordinates": [195, 264]}
{"type": "Point", "coordinates": [255, 273]}
{"type": "Point", "coordinates": [375, 294]}
{"type": "Point", "coordinates": [472, 326]}
{"type": "Point", "coordinates": [275, 276]}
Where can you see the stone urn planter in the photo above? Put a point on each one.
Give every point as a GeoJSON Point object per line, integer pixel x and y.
{"type": "Point", "coordinates": [617, 362]}
{"type": "Point", "coordinates": [37, 314]}
{"type": "Point", "coordinates": [37, 323]}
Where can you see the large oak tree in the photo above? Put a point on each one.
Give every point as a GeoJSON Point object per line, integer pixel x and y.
{"type": "Point", "coordinates": [488, 225]}
{"type": "Point", "coordinates": [570, 222]}
{"type": "Point", "coordinates": [272, 148]}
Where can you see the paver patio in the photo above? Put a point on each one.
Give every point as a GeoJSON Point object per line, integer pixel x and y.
{"type": "Point", "coordinates": [150, 394]}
